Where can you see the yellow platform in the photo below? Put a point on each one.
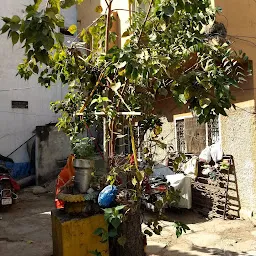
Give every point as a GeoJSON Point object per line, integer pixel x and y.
{"type": "Point", "coordinates": [73, 236]}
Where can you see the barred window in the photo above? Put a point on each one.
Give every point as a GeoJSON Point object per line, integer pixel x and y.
{"type": "Point", "coordinates": [192, 137]}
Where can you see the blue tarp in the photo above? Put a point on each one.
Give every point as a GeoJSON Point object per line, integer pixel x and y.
{"type": "Point", "coordinates": [20, 170]}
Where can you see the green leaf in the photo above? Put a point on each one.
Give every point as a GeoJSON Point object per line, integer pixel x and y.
{"type": "Point", "coordinates": [140, 176]}
{"type": "Point", "coordinates": [48, 43]}
{"type": "Point", "coordinates": [6, 19]}
{"type": "Point", "coordinates": [148, 171]}
{"type": "Point", "coordinates": [126, 33]}
{"type": "Point", "coordinates": [108, 210]}
{"type": "Point", "coordinates": [5, 28]}
{"type": "Point", "coordinates": [99, 9]}
{"type": "Point", "coordinates": [122, 240]}
{"type": "Point", "coordinates": [35, 69]}
{"type": "Point", "coordinates": [134, 181]}
{"type": "Point", "coordinates": [135, 73]}
{"type": "Point", "coordinates": [59, 37]}
{"type": "Point", "coordinates": [116, 222]}
{"type": "Point", "coordinates": [59, 20]}
{"type": "Point", "coordinates": [98, 231]}
{"type": "Point", "coordinates": [112, 233]}
{"type": "Point", "coordinates": [14, 26]}
{"type": "Point", "coordinates": [120, 207]}
{"type": "Point", "coordinates": [104, 237]}
{"type": "Point", "coordinates": [72, 29]}
{"type": "Point", "coordinates": [15, 19]}
{"type": "Point", "coordinates": [55, 5]}
{"type": "Point", "coordinates": [67, 3]}
{"type": "Point", "coordinates": [95, 253]}
{"type": "Point", "coordinates": [37, 4]}
{"type": "Point", "coordinates": [204, 103]}
{"type": "Point", "coordinates": [15, 37]}
{"type": "Point", "coordinates": [182, 99]}
{"type": "Point", "coordinates": [147, 232]}
{"type": "Point", "coordinates": [187, 93]}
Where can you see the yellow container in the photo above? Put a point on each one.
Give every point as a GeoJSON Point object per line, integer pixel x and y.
{"type": "Point", "coordinates": [73, 236]}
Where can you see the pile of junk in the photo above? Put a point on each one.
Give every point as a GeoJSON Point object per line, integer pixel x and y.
{"type": "Point", "coordinates": [183, 176]}
{"type": "Point", "coordinates": [80, 190]}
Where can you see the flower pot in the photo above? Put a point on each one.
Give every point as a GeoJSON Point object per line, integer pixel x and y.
{"type": "Point", "coordinates": [84, 169]}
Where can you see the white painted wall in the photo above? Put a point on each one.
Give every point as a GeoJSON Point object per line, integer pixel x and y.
{"type": "Point", "coordinates": [17, 125]}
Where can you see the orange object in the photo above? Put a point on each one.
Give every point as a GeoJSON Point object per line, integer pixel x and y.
{"type": "Point", "coordinates": [64, 177]}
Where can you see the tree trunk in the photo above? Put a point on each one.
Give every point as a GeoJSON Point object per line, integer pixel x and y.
{"type": "Point", "coordinates": [131, 230]}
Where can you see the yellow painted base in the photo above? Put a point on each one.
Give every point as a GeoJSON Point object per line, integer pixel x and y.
{"type": "Point", "coordinates": [73, 236]}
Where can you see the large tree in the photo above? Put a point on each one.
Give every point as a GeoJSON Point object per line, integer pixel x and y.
{"type": "Point", "coordinates": [173, 48]}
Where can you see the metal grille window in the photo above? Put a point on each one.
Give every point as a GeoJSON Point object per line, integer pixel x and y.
{"type": "Point", "coordinates": [191, 138]}
{"type": "Point", "coordinates": [213, 131]}
{"type": "Point", "coordinates": [123, 144]}
{"type": "Point", "coordinates": [180, 130]}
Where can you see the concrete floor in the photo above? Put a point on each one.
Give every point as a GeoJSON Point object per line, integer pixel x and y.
{"type": "Point", "coordinates": [206, 237]}
{"type": "Point", "coordinates": [25, 230]}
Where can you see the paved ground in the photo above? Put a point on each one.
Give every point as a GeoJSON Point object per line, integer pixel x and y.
{"type": "Point", "coordinates": [25, 228]}
{"type": "Point", "coordinates": [206, 237]}
{"type": "Point", "coordinates": [26, 231]}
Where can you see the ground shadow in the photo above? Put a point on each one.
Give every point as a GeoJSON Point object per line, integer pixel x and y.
{"type": "Point", "coordinates": [174, 214]}
{"type": "Point", "coordinates": [195, 251]}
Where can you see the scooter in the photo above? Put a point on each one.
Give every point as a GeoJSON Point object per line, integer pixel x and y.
{"type": "Point", "coordinates": [8, 187]}
{"type": "Point", "coordinates": [154, 190]}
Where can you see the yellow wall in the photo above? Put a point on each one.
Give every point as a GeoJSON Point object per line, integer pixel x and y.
{"type": "Point", "coordinates": [74, 236]}
{"type": "Point", "coordinates": [240, 21]}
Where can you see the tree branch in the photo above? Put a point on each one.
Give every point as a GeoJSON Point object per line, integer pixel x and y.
{"type": "Point", "coordinates": [146, 18]}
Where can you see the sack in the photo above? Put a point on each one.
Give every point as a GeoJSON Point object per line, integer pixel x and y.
{"type": "Point", "coordinates": [205, 155]}
{"type": "Point", "coordinates": [107, 196]}
{"type": "Point", "coordinates": [191, 167]}
{"type": "Point", "coordinates": [216, 152]}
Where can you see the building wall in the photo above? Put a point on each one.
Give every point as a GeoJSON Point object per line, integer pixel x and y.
{"type": "Point", "coordinates": [238, 130]}
{"type": "Point", "coordinates": [87, 14]}
{"type": "Point", "coordinates": [52, 148]}
{"type": "Point", "coordinates": [17, 125]}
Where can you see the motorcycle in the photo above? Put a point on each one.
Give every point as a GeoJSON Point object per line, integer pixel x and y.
{"type": "Point", "coordinates": [8, 187]}
{"type": "Point", "coordinates": [154, 190]}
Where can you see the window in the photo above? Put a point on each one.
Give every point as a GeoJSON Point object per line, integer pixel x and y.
{"type": "Point", "coordinates": [123, 143]}
{"type": "Point", "coordinates": [20, 104]}
{"type": "Point", "coordinates": [192, 137]}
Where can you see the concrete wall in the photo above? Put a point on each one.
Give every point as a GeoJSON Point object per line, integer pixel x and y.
{"type": "Point", "coordinates": [17, 125]}
{"type": "Point", "coordinates": [238, 139]}
{"type": "Point", "coordinates": [52, 147]}
{"type": "Point", "coordinates": [238, 131]}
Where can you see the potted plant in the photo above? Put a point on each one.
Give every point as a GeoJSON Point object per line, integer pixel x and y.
{"type": "Point", "coordinates": [84, 163]}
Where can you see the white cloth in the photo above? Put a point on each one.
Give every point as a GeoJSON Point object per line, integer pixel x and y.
{"type": "Point", "coordinates": [205, 155]}
{"type": "Point", "coordinates": [216, 152]}
{"type": "Point", "coordinates": [178, 181]}
{"type": "Point", "coordinates": [183, 183]}
{"type": "Point", "coordinates": [190, 168]}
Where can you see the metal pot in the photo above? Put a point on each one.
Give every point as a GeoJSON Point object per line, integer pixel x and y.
{"type": "Point", "coordinates": [84, 169]}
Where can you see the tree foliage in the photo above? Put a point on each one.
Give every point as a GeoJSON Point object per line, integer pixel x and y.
{"type": "Point", "coordinates": [171, 49]}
